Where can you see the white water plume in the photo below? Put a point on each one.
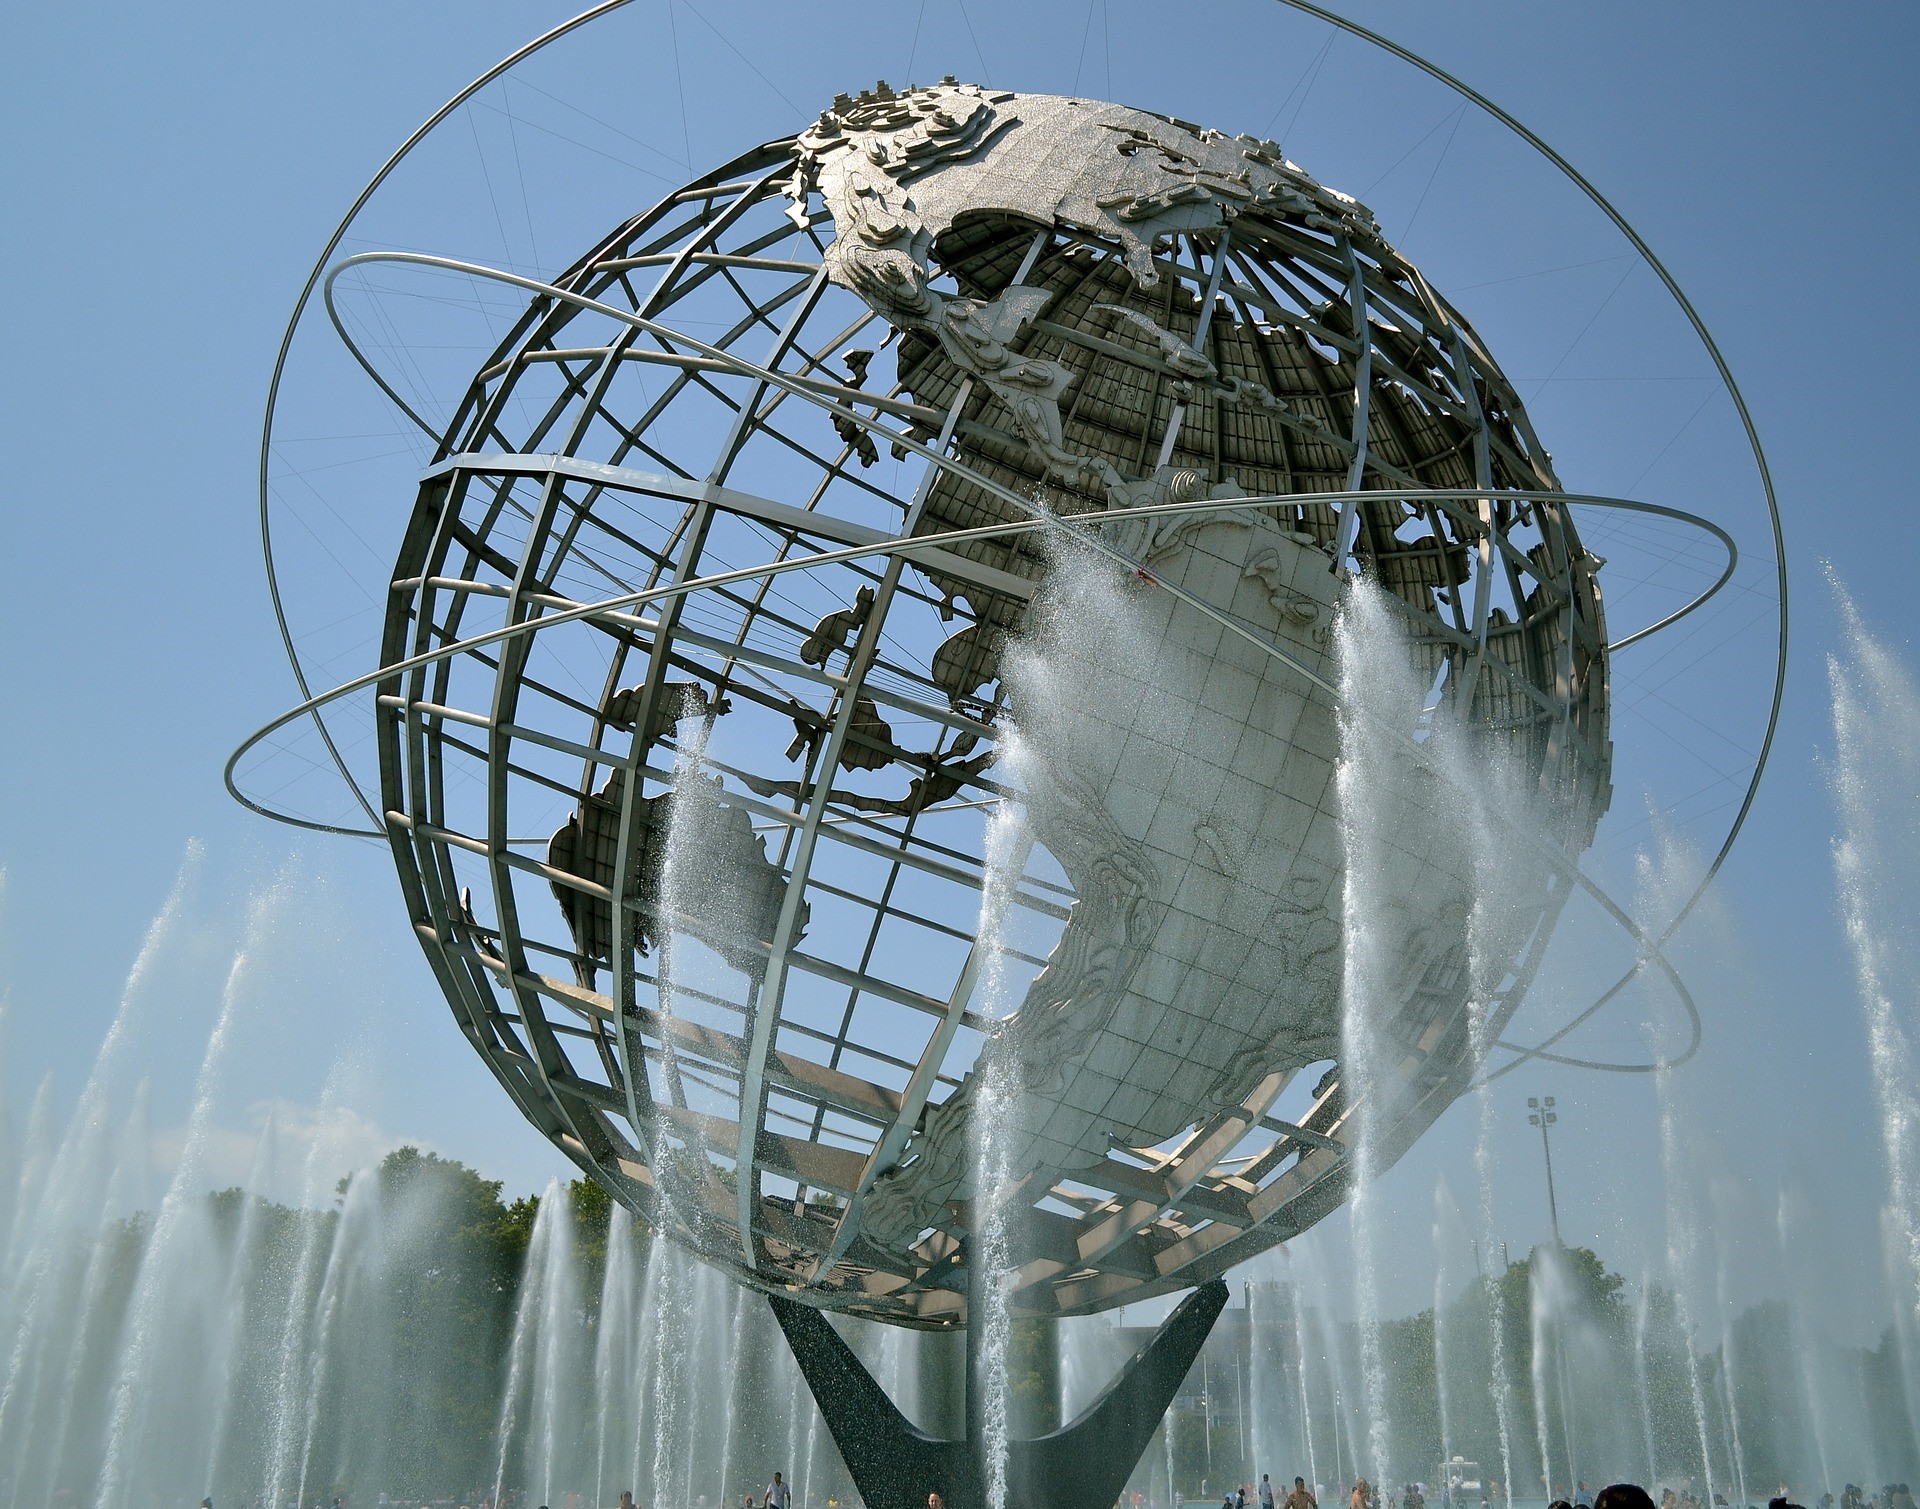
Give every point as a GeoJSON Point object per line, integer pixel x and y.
{"type": "Point", "coordinates": [157, 1316]}
{"type": "Point", "coordinates": [1643, 1382]}
{"type": "Point", "coordinates": [1876, 861]}
{"type": "Point", "coordinates": [60, 1186]}
{"type": "Point", "coordinates": [1665, 876]}
{"type": "Point", "coordinates": [233, 1304]}
{"type": "Point", "coordinates": [1437, 831]}
{"type": "Point", "coordinates": [1306, 1389]}
{"type": "Point", "coordinates": [1725, 1221]}
{"type": "Point", "coordinates": [1386, 805]}
{"type": "Point", "coordinates": [1261, 1397]}
{"type": "Point", "coordinates": [669, 1297]}
{"type": "Point", "coordinates": [615, 1359]}
{"type": "Point", "coordinates": [221, 1342]}
{"type": "Point", "coordinates": [356, 1239]}
{"type": "Point", "coordinates": [994, 1126]}
{"type": "Point", "coordinates": [539, 1408]}
{"type": "Point", "coordinates": [1789, 1217]}
{"type": "Point", "coordinates": [1444, 1283]}
{"type": "Point", "coordinates": [288, 1442]}
{"type": "Point", "coordinates": [1550, 1306]}
{"type": "Point", "coordinates": [1087, 643]}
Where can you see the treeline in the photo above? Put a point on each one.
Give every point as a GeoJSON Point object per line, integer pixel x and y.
{"type": "Point", "coordinates": [1601, 1381]}
{"type": "Point", "coordinates": [352, 1350]}
{"type": "Point", "coordinates": [366, 1348]}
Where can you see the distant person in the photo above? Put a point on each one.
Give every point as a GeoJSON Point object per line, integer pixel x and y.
{"type": "Point", "coordinates": [1266, 1492]}
{"type": "Point", "coordinates": [626, 1498]}
{"type": "Point", "coordinates": [778, 1494]}
{"type": "Point", "coordinates": [934, 1500]}
{"type": "Point", "coordinates": [1300, 1498]}
{"type": "Point", "coordinates": [1361, 1497]}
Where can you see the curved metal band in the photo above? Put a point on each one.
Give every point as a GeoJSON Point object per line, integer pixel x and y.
{"type": "Point", "coordinates": [312, 703]}
{"type": "Point", "coordinates": [871, 422]}
{"type": "Point", "coordinates": [907, 545]}
{"type": "Point", "coordinates": [1651, 950]}
{"type": "Point", "coordinates": [1038, 519]}
{"type": "Point", "coordinates": [286, 348]}
{"type": "Point", "coordinates": [1605, 206]}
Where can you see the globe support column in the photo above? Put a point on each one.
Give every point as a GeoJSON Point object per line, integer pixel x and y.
{"type": "Point", "coordinates": [1084, 1465]}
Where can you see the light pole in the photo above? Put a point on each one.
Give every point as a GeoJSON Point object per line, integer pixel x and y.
{"type": "Point", "coordinates": [1540, 1114]}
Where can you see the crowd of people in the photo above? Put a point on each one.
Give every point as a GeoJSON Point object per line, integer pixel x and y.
{"type": "Point", "coordinates": [1264, 1495]}
{"type": "Point", "coordinates": [1366, 1495]}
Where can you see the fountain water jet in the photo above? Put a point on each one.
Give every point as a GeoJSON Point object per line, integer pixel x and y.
{"type": "Point", "coordinates": [994, 1128]}
{"type": "Point", "coordinates": [356, 1240]}
{"type": "Point", "coordinates": [61, 1183]}
{"type": "Point", "coordinates": [1642, 1382]}
{"type": "Point", "coordinates": [233, 1308]}
{"type": "Point", "coordinates": [1444, 1206]}
{"type": "Point", "coordinates": [614, 1360]}
{"type": "Point", "coordinates": [1724, 1221]}
{"type": "Point", "coordinates": [1382, 794]}
{"type": "Point", "coordinates": [1306, 1392]}
{"type": "Point", "coordinates": [1876, 861]}
{"type": "Point", "coordinates": [537, 1404]}
{"type": "Point", "coordinates": [1806, 1345]}
{"type": "Point", "coordinates": [178, 1244]}
{"type": "Point", "coordinates": [1682, 1239]}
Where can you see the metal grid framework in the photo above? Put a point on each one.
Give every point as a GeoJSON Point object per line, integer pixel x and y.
{"type": "Point", "coordinates": [672, 506]}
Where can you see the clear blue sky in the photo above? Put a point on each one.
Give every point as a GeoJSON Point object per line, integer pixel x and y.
{"type": "Point", "coordinates": [172, 171]}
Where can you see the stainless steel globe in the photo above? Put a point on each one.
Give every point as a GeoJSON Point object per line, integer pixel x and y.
{"type": "Point", "coordinates": [749, 515]}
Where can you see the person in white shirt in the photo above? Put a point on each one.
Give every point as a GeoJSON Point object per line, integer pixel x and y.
{"type": "Point", "coordinates": [779, 1495]}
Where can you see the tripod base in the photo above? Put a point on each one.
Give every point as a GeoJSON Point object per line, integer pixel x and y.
{"type": "Point", "coordinates": [1085, 1465]}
